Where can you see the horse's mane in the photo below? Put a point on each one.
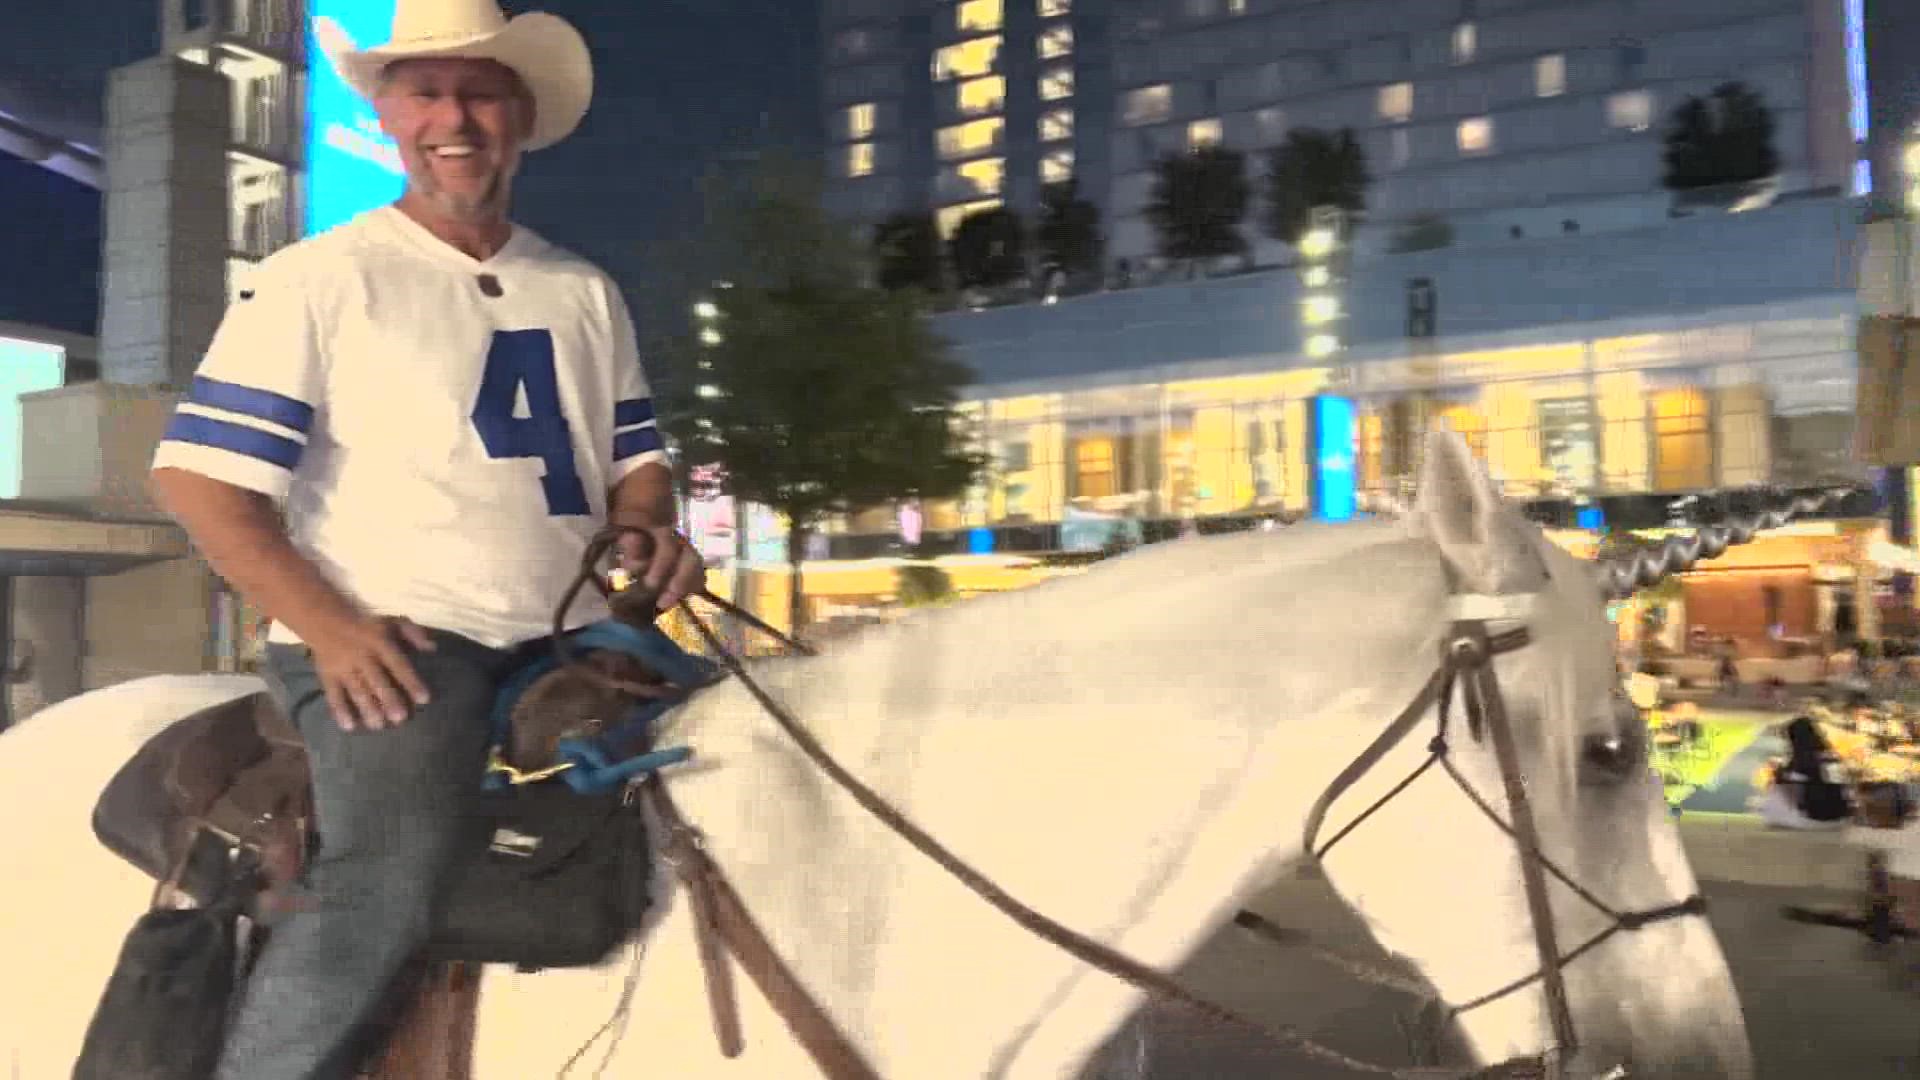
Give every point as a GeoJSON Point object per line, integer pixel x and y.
{"type": "Point", "coordinates": [1327, 602]}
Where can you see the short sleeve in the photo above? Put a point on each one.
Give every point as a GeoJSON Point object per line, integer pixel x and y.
{"type": "Point", "coordinates": [636, 432]}
{"type": "Point", "coordinates": [248, 415]}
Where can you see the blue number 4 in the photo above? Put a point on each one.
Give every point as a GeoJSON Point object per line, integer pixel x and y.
{"type": "Point", "coordinates": [523, 359]}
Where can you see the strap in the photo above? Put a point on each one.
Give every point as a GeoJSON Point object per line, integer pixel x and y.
{"type": "Point", "coordinates": [723, 920]}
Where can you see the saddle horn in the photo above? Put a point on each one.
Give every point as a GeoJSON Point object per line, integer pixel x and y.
{"type": "Point", "coordinates": [1623, 575]}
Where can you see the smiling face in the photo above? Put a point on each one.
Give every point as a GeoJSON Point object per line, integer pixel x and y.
{"type": "Point", "coordinates": [459, 124]}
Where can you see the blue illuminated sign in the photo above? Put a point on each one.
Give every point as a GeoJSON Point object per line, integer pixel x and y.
{"type": "Point", "coordinates": [1855, 35]}
{"type": "Point", "coordinates": [1856, 48]}
{"type": "Point", "coordinates": [1332, 438]}
{"type": "Point", "coordinates": [979, 541]}
{"type": "Point", "coordinates": [25, 367]}
{"type": "Point", "coordinates": [351, 166]}
{"type": "Point", "coordinates": [1590, 518]}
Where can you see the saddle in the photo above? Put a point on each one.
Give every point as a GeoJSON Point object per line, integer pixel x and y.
{"type": "Point", "coordinates": [231, 775]}
{"type": "Point", "coordinates": [235, 775]}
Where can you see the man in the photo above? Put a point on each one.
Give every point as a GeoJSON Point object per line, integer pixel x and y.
{"type": "Point", "coordinates": [449, 407]}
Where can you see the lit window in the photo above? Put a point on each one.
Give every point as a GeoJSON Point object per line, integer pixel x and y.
{"type": "Point", "coordinates": [1550, 75]}
{"type": "Point", "coordinates": [1270, 123]}
{"type": "Point", "coordinates": [1400, 148]}
{"type": "Point", "coordinates": [1051, 8]}
{"type": "Point", "coordinates": [1396, 101]}
{"type": "Point", "coordinates": [986, 95]}
{"type": "Point", "coordinates": [860, 159]}
{"type": "Point", "coordinates": [974, 137]}
{"type": "Point", "coordinates": [977, 15]}
{"type": "Point", "coordinates": [1465, 41]}
{"type": "Point", "coordinates": [1056, 125]}
{"type": "Point", "coordinates": [967, 60]}
{"type": "Point", "coordinates": [1203, 133]}
{"type": "Point", "coordinates": [984, 176]}
{"type": "Point", "coordinates": [1236, 7]}
{"type": "Point", "coordinates": [860, 120]}
{"type": "Point", "coordinates": [1056, 84]}
{"type": "Point", "coordinates": [1475, 135]}
{"type": "Point", "coordinates": [1147, 105]}
{"type": "Point", "coordinates": [1056, 166]}
{"type": "Point", "coordinates": [948, 218]}
{"type": "Point", "coordinates": [1630, 109]}
{"type": "Point", "coordinates": [1056, 41]}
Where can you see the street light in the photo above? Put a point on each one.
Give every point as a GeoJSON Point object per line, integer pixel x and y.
{"type": "Point", "coordinates": [707, 314]}
{"type": "Point", "coordinates": [1320, 275]}
{"type": "Point", "coordinates": [1910, 167]}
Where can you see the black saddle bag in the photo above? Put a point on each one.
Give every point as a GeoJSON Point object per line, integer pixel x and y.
{"type": "Point", "coordinates": [164, 1013]}
{"type": "Point", "coordinates": [554, 879]}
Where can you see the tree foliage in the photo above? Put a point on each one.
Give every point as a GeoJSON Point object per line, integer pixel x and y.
{"type": "Point", "coordinates": [822, 395]}
{"type": "Point", "coordinates": [988, 248]}
{"type": "Point", "coordinates": [1724, 138]}
{"type": "Point", "coordinates": [906, 249]}
{"type": "Point", "coordinates": [1068, 234]}
{"type": "Point", "coordinates": [1198, 201]}
{"type": "Point", "coordinates": [1313, 168]}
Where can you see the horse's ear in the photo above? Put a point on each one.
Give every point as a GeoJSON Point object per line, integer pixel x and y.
{"type": "Point", "coordinates": [1490, 548]}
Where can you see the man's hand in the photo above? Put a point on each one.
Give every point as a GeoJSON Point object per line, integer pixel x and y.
{"type": "Point", "coordinates": [675, 571]}
{"type": "Point", "coordinates": [369, 681]}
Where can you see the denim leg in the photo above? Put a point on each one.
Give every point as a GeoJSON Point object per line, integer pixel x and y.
{"type": "Point", "coordinates": [389, 808]}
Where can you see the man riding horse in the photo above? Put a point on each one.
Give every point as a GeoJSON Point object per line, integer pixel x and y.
{"type": "Point", "coordinates": [449, 407]}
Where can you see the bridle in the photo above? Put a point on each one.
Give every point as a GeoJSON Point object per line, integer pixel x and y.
{"type": "Point", "coordinates": [1466, 662]}
{"type": "Point", "coordinates": [1466, 656]}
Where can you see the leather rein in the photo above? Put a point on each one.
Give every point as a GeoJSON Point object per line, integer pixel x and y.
{"type": "Point", "coordinates": [1465, 663]}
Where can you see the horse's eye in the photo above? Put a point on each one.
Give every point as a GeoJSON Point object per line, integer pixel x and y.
{"type": "Point", "coordinates": [1612, 758]}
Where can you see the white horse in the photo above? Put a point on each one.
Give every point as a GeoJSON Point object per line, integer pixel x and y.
{"type": "Point", "coordinates": [1132, 751]}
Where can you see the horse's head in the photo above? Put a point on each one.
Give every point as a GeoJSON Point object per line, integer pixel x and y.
{"type": "Point", "coordinates": [1442, 883]}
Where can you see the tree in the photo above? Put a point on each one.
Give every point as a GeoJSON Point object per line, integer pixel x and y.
{"type": "Point", "coordinates": [1198, 201]}
{"type": "Point", "coordinates": [922, 585]}
{"type": "Point", "coordinates": [1313, 168]}
{"type": "Point", "coordinates": [906, 248]}
{"type": "Point", "coordinates": [1068, 235]}
{"type": "Point", "coordinates": [821, 395]}
{"type": "Point", "coordinates": [1726, 138]}
{"type": "Point", "coordinates": [989, 247]}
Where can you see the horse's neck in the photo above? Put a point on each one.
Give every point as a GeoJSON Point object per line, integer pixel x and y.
{"type": "Point", "coordinates": [1105, 784]}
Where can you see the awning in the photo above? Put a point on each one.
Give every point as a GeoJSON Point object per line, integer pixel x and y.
{"type": "Point", "coordinates": [41, 543]}
{"type": "Point", "coordinates": [1894, 557]}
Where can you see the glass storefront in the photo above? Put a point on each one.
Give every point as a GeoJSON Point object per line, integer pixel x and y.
{"type": "Point", "coordinates": [1699, 407]}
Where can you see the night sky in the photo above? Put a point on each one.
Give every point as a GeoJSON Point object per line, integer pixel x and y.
{"type": "Point", "coordinates": [677, 82]}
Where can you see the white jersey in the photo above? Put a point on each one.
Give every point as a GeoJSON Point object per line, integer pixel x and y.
{"type": "Point", "coordinates": [444, 454]}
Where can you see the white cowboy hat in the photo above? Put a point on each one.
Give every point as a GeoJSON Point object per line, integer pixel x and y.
{"type": "Point", "coordinates": [547, 53]}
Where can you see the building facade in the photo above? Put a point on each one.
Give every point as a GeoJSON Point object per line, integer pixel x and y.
{"type": "Point", "coordinates": [1497, 115]}
{"type": "Point", "coordinates": [957, 107]}
{"type": "Point", "coordinates": [1706, 352]}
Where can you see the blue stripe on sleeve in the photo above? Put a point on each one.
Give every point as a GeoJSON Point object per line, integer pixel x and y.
{"type": "Point", "coordinates": [632, 411]}
{"type": "Point", "coordinates": [638, 441]}
{"type": "Point", "coordinates": [259, 404]}
{"type": "Point", "coordinates": [234, 438]}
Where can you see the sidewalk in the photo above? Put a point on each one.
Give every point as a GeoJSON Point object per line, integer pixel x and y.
{"type": "Point", "coordinates": [1739, 848]}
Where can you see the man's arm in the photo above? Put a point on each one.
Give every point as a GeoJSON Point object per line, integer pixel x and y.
{"type": "Point", "coordinates": [643, 499]}
{"type": "Point", "coordinates": [241, 535]}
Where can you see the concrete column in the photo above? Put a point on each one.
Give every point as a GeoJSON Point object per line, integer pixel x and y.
{"type": "Point", "coordinates": [165, 247]}
{"type": "Point", "coordinates": [156, 620]}
{"type": "Point", "coordinates": [47, 620]}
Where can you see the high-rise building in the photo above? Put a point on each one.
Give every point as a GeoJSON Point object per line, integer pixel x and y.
{"type": "Point", "coordinates": [961, 106]}
{"type": "Point", "coordinates": [1496, 114]}
{"type": "Point", "coordinates": [256, 44]}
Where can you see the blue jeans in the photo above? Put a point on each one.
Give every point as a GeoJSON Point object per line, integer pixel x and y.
{"type": "Point", "coordinates": [390, 806]}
